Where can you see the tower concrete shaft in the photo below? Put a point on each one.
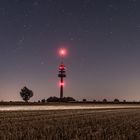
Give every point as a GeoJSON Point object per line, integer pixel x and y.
{"type": "Point", "coordinates": [62, 75]}
{"type": "Point", "coordinates": [61, 87]}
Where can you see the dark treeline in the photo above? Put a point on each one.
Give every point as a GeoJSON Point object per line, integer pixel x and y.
{"type": "Point", "coordinates": [64, 101]}
{"type": "Point", "coordinates": [26, 94]}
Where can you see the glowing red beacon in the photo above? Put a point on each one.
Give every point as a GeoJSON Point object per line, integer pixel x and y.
{"type": "Point", "coordinates": [62, 67]}
{"type": "Point", "coordinates": [62, 52]}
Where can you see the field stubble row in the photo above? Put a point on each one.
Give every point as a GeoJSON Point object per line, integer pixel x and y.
{"type": "Point", "coordinates": [70, 125]}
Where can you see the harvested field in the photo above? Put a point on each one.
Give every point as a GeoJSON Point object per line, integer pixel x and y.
{"type": "Point", "coordinates": [108, 124]}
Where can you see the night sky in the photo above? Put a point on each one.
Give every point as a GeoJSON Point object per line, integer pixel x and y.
{"type": "Point", "coordinates": [102, 38]}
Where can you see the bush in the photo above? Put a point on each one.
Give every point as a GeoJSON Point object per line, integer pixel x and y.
{"type": "Point", "coordinates": [67, 99]}
{"type": "Point", "coordinates": [124, 101]}
{"type": "Point", "coordinates": [43, 100]}
{"type": "Point", "coordinates": [116, 101]}
{"type": "Point", "coordinates": [104, 100]}
{"type": "Point", "coordinates": [84, 100]}
{"type": "Point", "coordinates": [53, 99]}
{"type": "Point", "coordinates": [56, 99]}
{"type": "Point", "coordinates": [94, 101]}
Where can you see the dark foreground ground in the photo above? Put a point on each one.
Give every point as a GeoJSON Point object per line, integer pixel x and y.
{"type": "Point", "coordinates": [107, 124]}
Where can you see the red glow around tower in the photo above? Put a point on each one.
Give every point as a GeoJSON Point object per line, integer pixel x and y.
{"type": "Point", "coordinates": [62, 52]}
{"type": "Point", "coordinates": [61, 84]}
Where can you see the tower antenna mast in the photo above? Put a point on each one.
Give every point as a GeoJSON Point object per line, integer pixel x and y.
{"type": "Point", "coordinates": [62, 71]}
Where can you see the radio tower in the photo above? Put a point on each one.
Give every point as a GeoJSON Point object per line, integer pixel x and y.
{"type": "Point", "coordinates": [62, 71]}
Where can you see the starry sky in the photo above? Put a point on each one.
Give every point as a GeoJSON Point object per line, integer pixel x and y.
{"type": "Point", "coordinates": [102, 38]}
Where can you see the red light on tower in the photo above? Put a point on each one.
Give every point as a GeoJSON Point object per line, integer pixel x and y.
{"type": "Point", "coordinates": [62, 52]}
{"type": "Point", "coordinates": [62, 67]}
{"type": "Point", "coordinates": [62, 84]}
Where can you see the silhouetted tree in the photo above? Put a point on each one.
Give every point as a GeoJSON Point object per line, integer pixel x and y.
{"type": "Point", "coordinates": [104, 100]}
{"type": "Point", "coordinates": [116, 101]}
{"type": "Point", "coordinates": [26, 94]}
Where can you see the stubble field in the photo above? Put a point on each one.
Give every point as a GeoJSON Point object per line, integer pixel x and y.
{"type": "Point", "coordinates": [104, 124]}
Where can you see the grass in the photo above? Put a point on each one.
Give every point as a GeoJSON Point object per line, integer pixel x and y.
{"type": "Point", "coordinates": [118, 124]}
